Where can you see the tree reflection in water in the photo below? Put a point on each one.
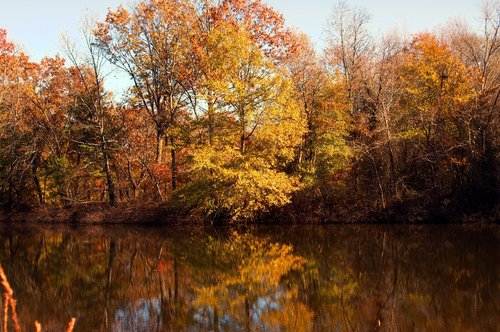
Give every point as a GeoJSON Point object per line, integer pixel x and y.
{"type": "Point", "coordinates": [245, 285]}
{"type": "Point", "coordinates": [344, 278]}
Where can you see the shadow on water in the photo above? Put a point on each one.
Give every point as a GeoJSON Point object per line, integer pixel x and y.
{"type": "Point", "coordinates": [302, 278]}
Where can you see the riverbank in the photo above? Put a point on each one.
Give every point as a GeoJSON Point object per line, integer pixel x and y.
{"type": "Point", "coordinates": [409, 212]}
{"type": "Point", "coordinates": [93, 215]}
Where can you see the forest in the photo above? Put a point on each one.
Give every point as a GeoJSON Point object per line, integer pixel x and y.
{"type": "Point", "coordinates": [233, 116]}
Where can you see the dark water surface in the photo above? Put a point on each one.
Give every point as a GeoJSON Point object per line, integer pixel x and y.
{"type": "Point", "coordinates": [302, 278]}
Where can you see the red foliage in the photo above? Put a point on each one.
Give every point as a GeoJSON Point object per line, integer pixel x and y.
{"type": "Point", "coordinates": [6, 47]}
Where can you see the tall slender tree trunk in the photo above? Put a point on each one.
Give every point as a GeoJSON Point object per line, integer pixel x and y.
{"type": "Point", "coordinates": [242, 131]}
{"type": "Point", "coordinates": [107, 172]}
{"type": "Point", "coordinates": [242, 143]}
{"type": "Point", "coordinates": [159, 145]}
{"type": "Point", "coordinates": [379, 182]}
{"type": "Point", "coordinates": [392, 170]}
{"type": "Point", "coordinates": [10, 199]}
{"type": "Point", "coordinates": [210, 121]}
{"type": "Point", "coordinates": [36, 181]}
{"type": "Point", "coordinates": [174, 162]}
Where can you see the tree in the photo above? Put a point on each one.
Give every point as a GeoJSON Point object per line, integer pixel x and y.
{"type": "Point", "coordinates": [92, 108]}
{"type": "Point", "coordinates": [242, 171]}
{"type": "Point", "coordinates": [18, 158]}
{"type": "Point", "coordinates": [265, 26]}
{"type": "Point", "coordinates": [384, 93]}
{"type": "Point", "coordinates": [45, 115]}
{"type": "Point", "coordinates": [349, 45]}
{"type": "Point", "coordinates": [322, 98]}
{"type": "Point", "coordinates": [437, 86]}
{"type": "Point", "coordinates": [151, 45]}
{"type": "Point", "coordinates": [480, 51]}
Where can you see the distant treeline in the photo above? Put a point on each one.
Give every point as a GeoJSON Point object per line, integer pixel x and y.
{"type": "Point", "coordinates": [231, 114]}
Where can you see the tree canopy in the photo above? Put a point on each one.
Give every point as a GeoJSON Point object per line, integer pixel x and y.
{"type": "Point", "coordinates": [233, 115]}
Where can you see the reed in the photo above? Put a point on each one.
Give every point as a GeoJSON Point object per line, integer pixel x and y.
{"type": "Point", "coordinates": [10, 302]}
{"type": "Point", "coordinates": [5, 315]}
{"type": "Point", "coordinates": [71, 325]}
{"type": "Point", "coordinates": [5, 283]}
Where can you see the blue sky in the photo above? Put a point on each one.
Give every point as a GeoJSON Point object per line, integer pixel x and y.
{"type": "Point", "coordinates": [37, 24]}
{"type": "Point", "coordinates": [310, 16]}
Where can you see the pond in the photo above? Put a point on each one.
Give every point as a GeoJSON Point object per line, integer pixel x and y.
{"type": "Point", "coordinates": [288, 278]}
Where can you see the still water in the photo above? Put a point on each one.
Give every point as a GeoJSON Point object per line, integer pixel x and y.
{"type": "Point", "coordinates": [302, 278]}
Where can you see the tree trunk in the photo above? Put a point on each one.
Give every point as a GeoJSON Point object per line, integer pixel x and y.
{"type": "Point", "coordinates": [174, 165]}
{"type": "Point", "coordinates": [242, 143]}
{"type": "Point", "coordinates": [216, 320]}
{"type": "Point", "coordinates": [210, 121]}
{"type": "Point", "coordinates": [160, 134]}
{"type": "Point", "coordinates": [107, 172]}
{"type": "Point", "coordinates": [243, 133]}
{"type": "Point", "coordinates": [392, 171]}
{"type": "Point", "coordinates": [36, 181]}
{"type": "Point", "coordinates": [9, 196]}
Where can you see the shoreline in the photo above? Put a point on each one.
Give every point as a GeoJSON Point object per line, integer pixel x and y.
{"type": "Point", "coordinates": [162, 215]}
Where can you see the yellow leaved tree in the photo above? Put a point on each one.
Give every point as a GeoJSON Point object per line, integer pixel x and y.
{"type": "Point", "coordinates": [438, 87]}
{"type": "Point", "coordinates": [255, 125]}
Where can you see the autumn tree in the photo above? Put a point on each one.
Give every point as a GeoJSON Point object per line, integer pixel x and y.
{"type": "Point", "coordinates": [10, 134]}
{"type": "Point", "coordinates": [266, 27]}
{"type": "Point", "coordinates": [480, 51]}
{"type": "Point", "coordinates": [349, 46]}
{"type": "Point", "coordinates": [243, 170]}
{"type": "Point", "coordinates": [150, 43]}
{"type": "Point", "coordinates": [348, 55]}
{"type": "Point", "coordinates": [92, 110]}
{"type": "Point", "coordinates": [322, 98]}
{"type": "Point", "coordinates": [387, 92]}
{"type": "Point", "coordinates": [437, 86]}
{"type": "Point", "coordinates": [384, 92]}
{"type": "Point", "coordinates": [22, 137]}
{"type": "Point", "coordinates": [136, 147]}
{"type": "Point", "coordinates": [45, 113]}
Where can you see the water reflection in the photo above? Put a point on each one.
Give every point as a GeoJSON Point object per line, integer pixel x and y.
{"type": "Point", "coordinates": [337, 278]}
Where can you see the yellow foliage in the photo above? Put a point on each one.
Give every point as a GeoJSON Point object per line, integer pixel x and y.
{"type": "Point", "coordinates": [240, 184]}
{"type": "Point", "coordinates": [243, 165]}
{"type": "Point", "coordinates": [297, 318]}
{"type": "Point", "coordinates": [253, 269]}
{"type": "Point", "coordinates": [435, 80]}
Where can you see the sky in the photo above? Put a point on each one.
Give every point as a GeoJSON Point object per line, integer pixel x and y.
{"type": "Point", "coordinates": [36, 26]}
